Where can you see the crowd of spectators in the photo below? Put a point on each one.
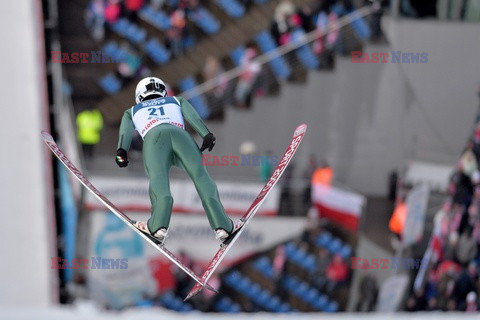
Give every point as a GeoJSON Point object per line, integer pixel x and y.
{"type": "Point", "coordinates": [174, 31]}
{"type": "Point", "coordinates": [453, 281]}
{"type": "Point", "coordinates": [289, 19]}
{"type": "Point", "coordinates": [289, 23]}
{"type": "Point", "coordinates": [181, 31]}
{"type": "Point", "coordinates": [101, 14]}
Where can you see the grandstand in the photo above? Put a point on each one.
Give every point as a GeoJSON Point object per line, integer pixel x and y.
{"type": "Point", "coordinates": [378, 212]}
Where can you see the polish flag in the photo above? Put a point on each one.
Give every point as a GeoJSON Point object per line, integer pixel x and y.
{"type": "Point", "coordinates": [341, 206]}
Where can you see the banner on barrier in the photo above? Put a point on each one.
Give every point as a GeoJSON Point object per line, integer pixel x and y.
{"type": "Point", "coordinates": [131, 194]}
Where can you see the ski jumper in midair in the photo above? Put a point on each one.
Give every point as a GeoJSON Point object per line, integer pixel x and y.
{"type": "Point", "coordinates": [160, 120]}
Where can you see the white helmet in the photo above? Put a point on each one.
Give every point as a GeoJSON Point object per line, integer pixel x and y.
{"type": "Point", "coordinates": [150, 86]}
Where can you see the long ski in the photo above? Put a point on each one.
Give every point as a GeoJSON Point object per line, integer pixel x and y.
{"type": "Point", "coordinates": [48, 139]}
{"type": "Point", "coordinates": [282, 165]}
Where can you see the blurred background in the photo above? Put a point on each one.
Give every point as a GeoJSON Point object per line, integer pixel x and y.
{"type": "Point", "coordinates": [378, 211]}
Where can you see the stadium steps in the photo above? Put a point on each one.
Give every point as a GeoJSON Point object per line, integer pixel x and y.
{"type": "Point", "coordinates": [75, 37]}
{"type": "Point", "coordinates": [233, 32]}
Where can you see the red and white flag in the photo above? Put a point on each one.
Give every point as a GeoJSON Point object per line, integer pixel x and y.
{"type": "Point", "coordinates": [341, 206]}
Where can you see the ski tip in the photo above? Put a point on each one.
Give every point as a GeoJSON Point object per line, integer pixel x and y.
{"type": "Point", "coordinates": [193, 293]}
{"type": "Point", "coordinates": [196, 290]}
{"type": "Point", "coordinates": [209, 287]}
{"type": "Point", "coordinates": [300, 129]}
{"type": "Point", "coordinates": [46, 135]}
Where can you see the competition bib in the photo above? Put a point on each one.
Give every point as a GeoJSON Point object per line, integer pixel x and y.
{"type": "Point", "coordinates": [149, 114]}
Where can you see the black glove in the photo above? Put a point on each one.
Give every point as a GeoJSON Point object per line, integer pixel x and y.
{"type": "Point", "coordinates": [121, 159]}
{"type": "Point", "coordinates": [208, 142]}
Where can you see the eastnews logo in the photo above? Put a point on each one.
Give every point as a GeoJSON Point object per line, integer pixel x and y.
{"type": "Point", "coordinates": [394, 263]}
{"type": "Point", "coordinates": [93, 263]}
{"type": "Point", "coordinates": [83, 57]}
{"type": "Point", "coordinates": [389, 57]}
{"type": "Point", "coordinates": [244, 160]}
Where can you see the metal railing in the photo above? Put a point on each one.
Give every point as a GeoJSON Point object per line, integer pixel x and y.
{"type": "Point", "coordinates": [280, 51]}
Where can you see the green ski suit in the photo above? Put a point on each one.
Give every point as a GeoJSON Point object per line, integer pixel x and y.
{"type": "Point", "coordinates": [166, 143]}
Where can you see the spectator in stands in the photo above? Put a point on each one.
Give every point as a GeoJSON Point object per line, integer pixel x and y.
{"type": "Point", "coordinates": [431, 287]}
{"type": "Point", "coordinates": [376, 18]}
{"type": "Point", "coordinates": [471, 301]}
{"type": "Point", "coordinates": [451, 246]}
{"type": "Point", "coordinates": [468, 161]}
{"type": "Point", "coordinates": [306, 17]}
{"type": "Point", "coordinates": [307, 176]}
{"type": "Point", "coordinates": [95, 19]}
{"type": "Point", "coordinates": [421, 302]}
{"type": "Point", "coordinates": [417, 301]}
{"type": "Point", "coordinates": [411, 304]}
{"type": "Point", "coordinates": [174, 41]}
{"type": "Point", "coordinates": [193, 5]}
{"type": "Point", "coordinates": [89, 127]}
{"type": "Point", "coordinates": [368, 293]}
{"type": "Point", "coordinates": [456, 218]}
{"type": "Point", "coordinates": [250, 70]}
{"type": "Point", "coordinates": [113, 10]}
{"type": "Point", "coordinates": [462, 186]}
{"type": "Point", "coordinates": [323, 262]}
{"type": "Point", "coordinates": [132, 7]}
{"type": "Point", "coordinates": [213, 70]}
{"type": "Point", "coordinates": [446, 288]}
{"type": "Point", "coordinates": [131, 67]}
{"type": "Point", "coordinates": [286, 199]}
{"type": "Point", "coordinates": [266, 166]}
{"type": "Point", "coordinates": [177, 32]}
{"type": "Point", "coordinates": [467, 247]}
{"type": "Point", "coordinates": [278, 265]}
{"type": "Point", "coordinates": [323, 174]}
{"type": "Point", "coordinates": [177, 19]}
{"type": "Point", "coordinates": [437, 250]}
{"type": "Point", "coordinates": [336, 273]}
{"type": "Point", "coordinates": [279, 261]}
{"type": "Point", "coordinates": [328, 31]}
{"type": "Point", "coordinates": [451, 305]}
{"type": "Point", "coordinates": [432, 304]}
{"type": "Point", "coordinates": [157, 4]}
{"type": "Point", "coordinates": [476, 229]}
{"type": "Point", "coordinates": [465, 282]}
{"type": "Point", "coordinates": [280, 27]}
